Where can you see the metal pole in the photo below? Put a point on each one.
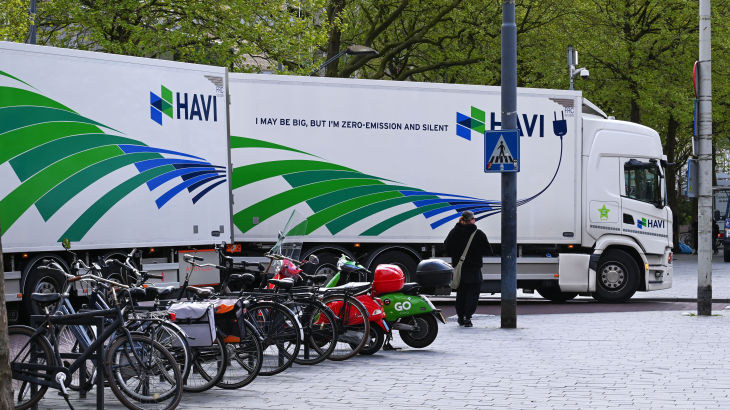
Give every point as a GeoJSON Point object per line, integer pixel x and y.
{"type": "Point", "coordinates": [31, 37]}
{"type": "Point", "coordinates": [509, 179]}
{"type": "Point", "coordinates": [704, 248]}
{"type": "Point", "coordinates": [571, 65]}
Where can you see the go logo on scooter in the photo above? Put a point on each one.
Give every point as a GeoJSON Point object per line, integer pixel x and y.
{"type": "Point", "coordinates": [402, 306]}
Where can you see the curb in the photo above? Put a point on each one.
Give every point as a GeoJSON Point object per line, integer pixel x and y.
{"type": "Point", "coordinates": [638, 300]}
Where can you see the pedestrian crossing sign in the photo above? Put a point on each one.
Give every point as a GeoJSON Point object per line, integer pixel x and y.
{"type": "Point", "coordinates": [502, 151]}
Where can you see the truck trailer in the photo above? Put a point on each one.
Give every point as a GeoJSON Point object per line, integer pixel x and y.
{"type": "Point", "coordinates": [116, 152]}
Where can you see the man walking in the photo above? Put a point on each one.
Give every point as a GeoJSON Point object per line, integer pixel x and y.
{"type": "Point", "coordinates": [467, 294]}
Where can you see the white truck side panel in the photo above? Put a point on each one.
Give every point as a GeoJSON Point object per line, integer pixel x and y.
{"type": "Point", "coordinates": [97, 148]}
{"type": "Point", "coordinates": [308, 143]}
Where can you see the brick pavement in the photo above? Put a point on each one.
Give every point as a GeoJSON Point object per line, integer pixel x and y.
{"type": "Point", "coordinates": [642, 360]}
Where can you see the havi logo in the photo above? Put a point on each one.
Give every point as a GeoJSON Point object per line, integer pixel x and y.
{"type": "Point", "coordinates": [202, 107]}
{"type": "Point", "coordinates": [159, 105]}
{"type": "Point", "coordinates": [477, 122]}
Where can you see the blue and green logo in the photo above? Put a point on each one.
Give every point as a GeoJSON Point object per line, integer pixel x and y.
{"type": "Point", "coordinates": [160, 104]}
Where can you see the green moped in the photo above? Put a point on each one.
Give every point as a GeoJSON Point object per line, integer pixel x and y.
{"type": "Point", "coordinates": [407, 311]}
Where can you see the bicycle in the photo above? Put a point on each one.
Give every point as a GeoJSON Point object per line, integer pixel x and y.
{"type": "Point", "coordinates": [136, 367]}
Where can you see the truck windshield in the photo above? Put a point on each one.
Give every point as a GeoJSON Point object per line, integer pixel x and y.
{"type": "Point", "coordinates": [642, 181]}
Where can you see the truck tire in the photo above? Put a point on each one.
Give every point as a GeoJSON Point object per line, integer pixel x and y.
{"type": "Point", "coordinates": [617, 277]}
{"type": "Point", "coordinates": [726, 255]}
{"type": "Point", "coordinates": [407, 264]}
{"type": "Point", "coordinates": [41, 281]}
{"type": "Point", "coordinates": [555, 295]}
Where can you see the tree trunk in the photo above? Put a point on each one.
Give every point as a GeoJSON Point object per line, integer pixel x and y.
{"type": "Point", "coordinates": [6, 377]}
{"type": "Point", "coordinates": [334, 9]}
{"type": "Point", "coordinates": [670, 145]}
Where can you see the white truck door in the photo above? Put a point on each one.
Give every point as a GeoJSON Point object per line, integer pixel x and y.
{"type": "Point", "coordinates": [642, 200]}
{"type": "Point", "coordinates": [604, 196]}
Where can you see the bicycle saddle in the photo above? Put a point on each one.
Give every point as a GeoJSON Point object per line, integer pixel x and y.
{"type": "Point", "coordinates": [285, 284]}
{"type": "Point", "coordinates": [159, 292]}
{"type": "Point", "coordinates": [353, 287]}
{"type": "Point", "coordinates": [46, 298]}
{"type": "Point", "coordinates": [137, 293]}
{"type": "Point", "coordinates": [245, 278]}
{"type": "Point", "coordinates": [201, 292]}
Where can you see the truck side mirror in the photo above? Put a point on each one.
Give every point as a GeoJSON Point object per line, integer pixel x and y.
{"type": "Point", "coordinates": [717, 214]}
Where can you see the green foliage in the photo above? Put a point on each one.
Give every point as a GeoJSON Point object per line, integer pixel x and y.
{"type": "Point", "coordinates": [245, 35]}
{"type": "Point", "coordinates": [15, 20]}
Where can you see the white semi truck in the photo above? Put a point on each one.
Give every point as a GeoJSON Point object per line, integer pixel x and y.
{"type": "Point", "coordinates": [117, 153]}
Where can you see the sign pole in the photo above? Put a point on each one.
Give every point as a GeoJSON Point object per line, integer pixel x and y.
{"type": "Point", "coordinates": [509, 179]}
{"type": "Point", "coordinates": [704, 125]}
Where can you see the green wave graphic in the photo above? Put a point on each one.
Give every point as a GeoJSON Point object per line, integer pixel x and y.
{"type": "Point", "coordinates": [56, 154]}
{"type": "Point", "coordinates": [339, 196]}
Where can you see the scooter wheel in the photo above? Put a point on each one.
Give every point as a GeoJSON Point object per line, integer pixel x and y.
{"type": "Point", "coordinates": [375, 340]}
{"type": "Point", "coordinates": [428, 329]}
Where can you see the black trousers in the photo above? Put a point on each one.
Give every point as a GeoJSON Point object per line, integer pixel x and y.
{"type": "Point", "coordinates": [467, 298]}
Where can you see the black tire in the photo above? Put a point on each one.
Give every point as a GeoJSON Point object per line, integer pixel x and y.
{"type": "Point", "coordinates": [555, 295]}
{"type": "Point", "coordinates": [41, 281]}
{"type": "Point", "coordinates": [173, 339]}
{"type": "Point", "coordinates": [407, 264]}
{"type": "Point", "coordinates": [320, 333]}
{"type": "Point", "coordinates": [157, 365]}
{"type": "Point", "coordinates": [352, 332]}
{"type": "Point", "coordinates": [375, 341]}
{"type": "Point", "coordinates": [617, 277]}
{"type": "Point", "coordinates": [23, 397]}
{"type": "Point", "coordinates": [726, 255]}
{"type": "Point", "coordinates": [327, 265]}
{"type": "Point", "coordinates": [209, 366]}
{"type": "Point", "coordinates": [428, 330]}
{"type": "Point", "coordinates": [282, 335]}
{"type": "Point", "coordinates": [245, 359]}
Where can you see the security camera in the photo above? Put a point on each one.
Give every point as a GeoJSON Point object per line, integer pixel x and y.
{"type": "Point", "coordinates": [584, 73]}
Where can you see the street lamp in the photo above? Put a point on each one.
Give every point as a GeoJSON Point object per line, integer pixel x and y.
{"type": "Point", "coordinates": [572, 62]}
{"type": "Point", "coordinates": [353, 50]}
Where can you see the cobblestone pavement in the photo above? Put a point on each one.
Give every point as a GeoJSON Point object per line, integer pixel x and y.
{"type": "Point", "coordinates": [641, 360]}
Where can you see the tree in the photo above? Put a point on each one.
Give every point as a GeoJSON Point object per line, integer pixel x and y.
{"type": "Point", "coordinates": [14, 20]}
{"type": "Point", "coordinates": [428, 40]}
{"type": "Point", "coordinates": [244, 35]}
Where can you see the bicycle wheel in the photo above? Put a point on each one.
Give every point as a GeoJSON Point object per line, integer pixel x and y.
{"type": "Point", "coordinates": [24, 350]}
{"type": "Point", "coordinates": [281, 335]}
{"type": "Point", "coordinates": [174, 340]}
{"type": "Point", "coordinates": [320, 332]}
{"type": "Point", "coordinates": [208, 366]}
{"type": "Point", "coordinates": [353, 326]}
{"type": "Point", "coordinates": [68, 343]}
{"type": "Point", "coordinates": [143, 374]}
{"type": "Point", "coordinates": [245, 358]}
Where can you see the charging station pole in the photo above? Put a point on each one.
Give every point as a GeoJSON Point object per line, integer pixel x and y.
{"type": "Point", "coordinates": [509, 179]}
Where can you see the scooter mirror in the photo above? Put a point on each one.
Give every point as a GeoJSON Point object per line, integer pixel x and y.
{"type": "Point", "coordinates": [313, 259]}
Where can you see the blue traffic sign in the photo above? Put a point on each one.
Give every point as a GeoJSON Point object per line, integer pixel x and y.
{"type": "Point", "coordinates": [502, 151]}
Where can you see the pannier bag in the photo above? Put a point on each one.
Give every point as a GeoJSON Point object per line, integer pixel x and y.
{"type": "Point", "coordinates": [229, 319]}
{"type": "Point", "coordinates": [197, 320]}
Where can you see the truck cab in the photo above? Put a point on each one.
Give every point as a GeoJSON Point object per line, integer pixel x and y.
{"type": "Point", "coordinates": [627, 222]}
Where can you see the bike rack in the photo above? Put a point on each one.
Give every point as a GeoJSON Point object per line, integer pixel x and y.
{"type": "Point", "coordinates": [98, 322]}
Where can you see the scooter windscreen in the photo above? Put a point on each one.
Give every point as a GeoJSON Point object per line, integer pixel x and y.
{"type": "Point", "coordinates": [290, 239]}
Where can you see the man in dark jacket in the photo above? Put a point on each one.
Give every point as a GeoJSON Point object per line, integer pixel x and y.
{"type": "Point", "coordinates": [467, 294]}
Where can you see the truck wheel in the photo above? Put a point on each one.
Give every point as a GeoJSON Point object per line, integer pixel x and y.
{"type": "Point", "coordinates": [41, 282]}
{"type": "Point", "coordinates": [327, 265]}
{"type": "Point", "coordinates": [617, 277]}
{"type": "Point", "coordinates": [555, 295]}
{"type": "Point", "coordinates": [403, 261]}
{"type": "Point", "coordinates": [726, 255]}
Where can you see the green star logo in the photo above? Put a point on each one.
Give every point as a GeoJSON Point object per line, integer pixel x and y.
{"type": "Point", "coordinates": [604, 212]}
